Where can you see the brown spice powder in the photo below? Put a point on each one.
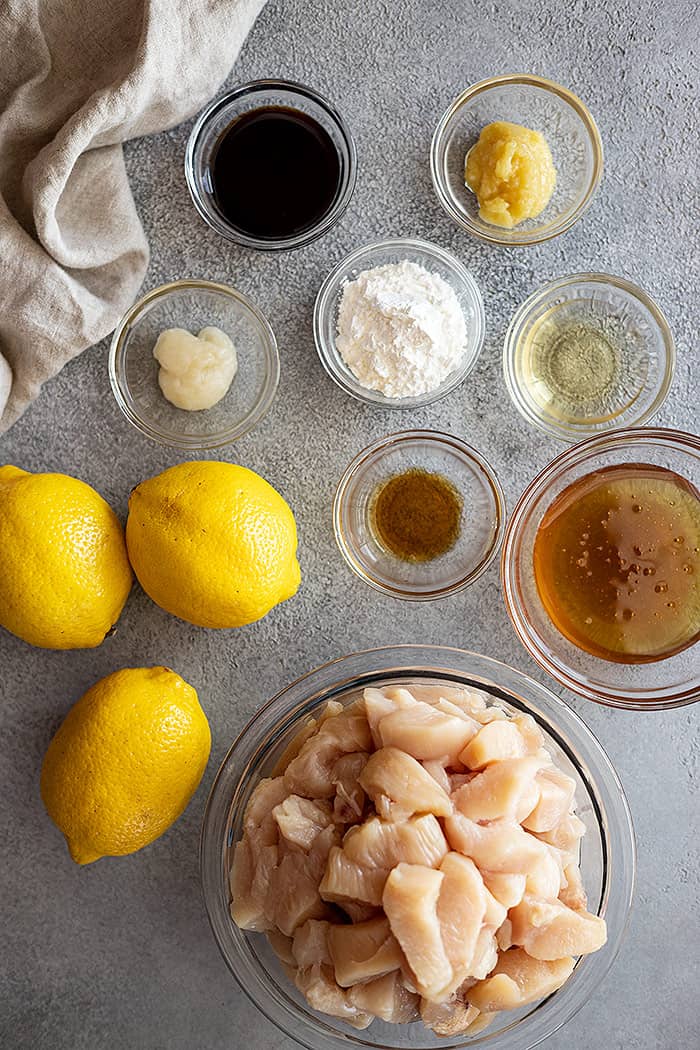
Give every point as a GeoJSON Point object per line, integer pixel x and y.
{"type": "Point", "coordinates": [416, 515]}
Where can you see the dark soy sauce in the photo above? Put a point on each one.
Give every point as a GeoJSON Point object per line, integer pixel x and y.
{"type": "Point", "coordinates": [275, 172]}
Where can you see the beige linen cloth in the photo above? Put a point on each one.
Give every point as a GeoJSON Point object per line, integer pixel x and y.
{"type": "Point", "coordinates": [78, 78]}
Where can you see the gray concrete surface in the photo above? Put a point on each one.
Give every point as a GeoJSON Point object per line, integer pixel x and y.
{"type": "Point", "coordinates": [119, 955]}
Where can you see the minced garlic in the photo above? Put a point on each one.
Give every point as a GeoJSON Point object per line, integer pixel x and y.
{"type": "Point", "coordinates": [196, 371]}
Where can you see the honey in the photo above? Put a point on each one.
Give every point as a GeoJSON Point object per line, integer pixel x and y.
{"type": "Point", "coordinates": [617, 563]}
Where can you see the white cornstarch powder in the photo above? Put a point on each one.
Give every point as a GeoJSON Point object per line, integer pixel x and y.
{"type": "Point", "coordinates": [401, 329]}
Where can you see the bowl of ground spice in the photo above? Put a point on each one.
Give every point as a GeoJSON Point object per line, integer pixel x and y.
{"type": "Point", "coordinates": [419, 515]}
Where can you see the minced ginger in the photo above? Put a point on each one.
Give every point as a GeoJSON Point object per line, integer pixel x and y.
{"type": "Point", "coordinates": [511, 171]}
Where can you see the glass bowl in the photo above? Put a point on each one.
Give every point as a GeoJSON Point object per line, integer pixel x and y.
{"type": "Point", "coordinates": [633, 357]}
{"type": "Point", "coordinates": [481, 525]}
{"type": "Point", "coordinates": [432, 258]}
{"type": "Point", "coordinates": [607, 855]}
{"type": "Point", "coordinates": [536, 103]}
{"type": "Point", "coordinates": [666, 683]}
{"type": "Point", "coordinates": [193, 304]}
{"type": "Point", "coordinates": [220, 113]}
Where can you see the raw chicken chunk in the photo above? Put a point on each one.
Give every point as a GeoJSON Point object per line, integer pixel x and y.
{"type": "Point", "coordinates": [258, 821]}
{"type": "Point", "coordinates": [499, 847]}
{"type": "Point", "coordinates": [364, 951]}
{"type": "Point", "coordinates": [518, 979]}
{"type": "Point", "coordinates": [461, 909]}
{"type": "Point", "coordinates": [424, 732]}
{"type": "Point", "coordinates": [556, 797]}
{"type": "Point", "coordinates": [485, 953]}
{"type": "Point", "coordinates": [310, 944]}
{"type": "Point", "coordinates": [547, 876]}
{"type": "Point", "coordinates": [380, 703]}
{"type": "Point", "coordinates": [450, 1018]}
{"type": "Point", "coordinates": [247, 910]}
{"type": "Point", "coordinates": [439, 774]}
{"type": "Point", "coordinates": [378, 844]}
{"type": "Point", "coordinates": [531, 733]}
{"type": "Point", "coordinates": [506, 887]}
{"type": "Point", "coordinates": [549, 930]}
{"type": "Point", "coordinates": [344, 880]}
{"type": "Point", "coordinates": [294, 746]}
{"type": "Point", "coordinates": [300, 820]}
{"type": "Point", "coordinates": [495, 741]}
{"type": "Point", "coordinates": [311, 772]}
{"type": "Point", "coordinates": [504, 936]}
{"type": "Point", "coordinates": [293, 894]}
{"type": "Point", "coordinates": [410, 901]}
{"type": "Point", "coordinates": [565, 836]}
{"type": "Point", "coordinates": [349, 802]}
{"type": "Point", "coordinates": [403, 780]}
{"type": "Point", "coordinates": [573, 894]}
{"type": "Point", "coordinates": [318, 985]}
{"type": "Point", "coordinates": [503, 791]}
{"type": "Point", "coordinates": [386, 997]}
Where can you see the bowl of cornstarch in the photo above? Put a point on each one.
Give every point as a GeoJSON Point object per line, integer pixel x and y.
{"type": "Point", "coordinates": [399, 323]}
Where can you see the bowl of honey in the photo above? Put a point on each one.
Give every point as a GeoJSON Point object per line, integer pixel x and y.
{"type": "Point", "coordinates": [601, 568]}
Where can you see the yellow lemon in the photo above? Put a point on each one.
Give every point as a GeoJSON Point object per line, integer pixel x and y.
{"type": "Point", "coordinates": [64, 570]}
{"type": "Point", "coordinates": [212, 543]}
{"type": "Point", "coordinates": [125, 762]}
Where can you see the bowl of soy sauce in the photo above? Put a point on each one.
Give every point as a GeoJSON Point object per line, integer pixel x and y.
{"type": "Point", "coordinates": [271, 165]}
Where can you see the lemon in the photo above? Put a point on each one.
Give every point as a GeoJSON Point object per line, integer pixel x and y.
{"type": "Point", "coordinates": [64, 571]}
{"type": "Point", "coordinates": [212, 543]}
{"type": "Point", "coordinates": [125, 762]}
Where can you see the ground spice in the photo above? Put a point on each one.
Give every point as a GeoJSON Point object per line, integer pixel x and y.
{"type": "Point", "coordinates": [416, 515]}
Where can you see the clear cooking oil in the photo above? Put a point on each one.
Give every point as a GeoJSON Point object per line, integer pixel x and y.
{"type": "Point", "coordinates": [583, 364]}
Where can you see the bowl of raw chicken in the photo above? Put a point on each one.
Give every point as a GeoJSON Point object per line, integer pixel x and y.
{"type": "Point", "coordinates": [417, 847]}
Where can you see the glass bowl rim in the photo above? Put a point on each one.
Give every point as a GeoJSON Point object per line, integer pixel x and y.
{"type": "Point", "coordinates": [117, 352]}
{"type": "Point", "coordinates": [330, 358]}
{"type": "Point", "coordinates": [371, 666]}
{"type": "Point", "coordinates": [535, 490]}
{"type": "Point", "coordinates": [523, 314]}
{"type": "Point", "coordinates": [466, 453]}
{"type": "Point", "coordinates": [200, 200]}
{"type": "Point", "coordinates": [524, 238]}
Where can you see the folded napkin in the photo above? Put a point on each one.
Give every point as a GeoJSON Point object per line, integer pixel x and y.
{"type": "Point", "coordinates": [78, 78]}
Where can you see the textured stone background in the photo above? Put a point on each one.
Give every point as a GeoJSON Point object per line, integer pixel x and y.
{"type": "Point", "coordinates": [119, 955]}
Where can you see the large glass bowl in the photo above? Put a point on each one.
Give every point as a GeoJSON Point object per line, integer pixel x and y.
{"type": "Point", "coordinates": [670, 682]}
{"type": "Point", "coordinates": [607, 856]}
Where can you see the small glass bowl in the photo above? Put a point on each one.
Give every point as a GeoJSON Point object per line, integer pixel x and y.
{"type": "Point", "coordinates": [220, 113]}
{"type": "Point", "coordinates": [607, 849]}
{"type": "Point", "coordinates": [641, 354]}
{"type": "Point", "coordinates": [193, 305]}
{"type": "Point", "coordinates": [538, 104]}
{"type": "Point", "coordinates": [481, 525]}
{"type": "Point", "coordinates": [432, 258]}
{"type": "Point", "coordinates": [662, 684]}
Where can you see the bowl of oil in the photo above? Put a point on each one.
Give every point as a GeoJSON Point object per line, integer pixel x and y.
{"type": "Point", "coordinates": [419, 515]}
{"type": "Point", "coordinates": [587, 354]}
{"type": "Point", "coordinates": [601, 568]}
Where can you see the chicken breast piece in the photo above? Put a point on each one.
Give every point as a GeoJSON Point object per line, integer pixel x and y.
{"type": "Point", "coordinates": [439, 774]}
{"type": "Point", "coordinates": [506, 887]}
{"type": "Point", "coordinates": [504, 936]}
{"type": "Point", "coordinates": [485, 953]}
{"type": "Point", "coordinates": [519, 979]}
{"type": "Point", "coordinates": [349, 802]}
{"type": "Point", "coordinates": [363, 951]}
{"type": "Point", "coordinates": [573, 894]}
{"type": "Point", "coordinates": [258, 821]}
{"type": "Point", "coordinates": [385, 997]}
{"type": "Point", "coordinates": [382, 702]}
{"type": "Point", "coordinates": [378, 844]}
{"type": "Point", "coordinates": [282, 947]}
{"type": "Point", "coordinates": [547, 876]}
{"type": "Point", "coordinates": [410, 902]}
{"type": "Point", "coordinates": [549, 930]}
{"type": "Point", "coordinates": [319, 987]}
{"type": "Point", "coordinates": [565, 836]}
{"type": "Point", "coordinates": [450, 1018]}
{"type": "Point", "coordinates": [344, 880]}
{"type": "Point", "coordinates": [311, 773]}
{"type": "Point", "coordinates": [499, 847]}
{"type": "Point", "coordinates": [401, 778]}
{"type": "Point", "coordinates": [425, 733]}
{"type": "Point", "coordinates": [247, 910]}
{"type": "Point", "coordinates": [505, 790]}
{"type": "Point", "coordinates": [300, 820]}
{"type": "Point", "coordinates": [310, 944]}
{"type": "Point", "coordinates": [294, 746]}
{"type": "Point", "coordinates": [461, 909]}
{"type": "Point", "coordinates": [495, 741]}
{"type": "Point", "coordinates": [293, 896]}
{"type": "Point", "coordinates": [556, 798]}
